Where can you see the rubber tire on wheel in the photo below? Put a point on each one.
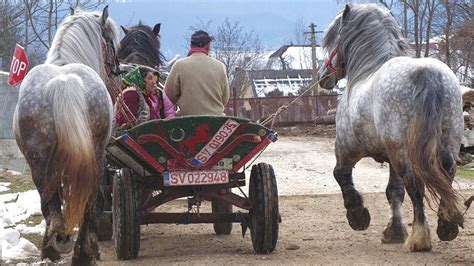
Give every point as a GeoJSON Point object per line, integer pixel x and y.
{"type": "Point", "coordinates": [222, 207]}
{"type": "Point", "coordinates": [264, 215]}
{"type": "Point", "coordinates": [105, 223]}
{"type": "Point", "coordinates": [126, 216]}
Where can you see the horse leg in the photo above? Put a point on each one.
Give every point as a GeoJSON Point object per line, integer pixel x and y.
{"type": "Point", "coordinates": [54, 241]}
{"type": "Point", "coordinates": [51, 210]}
{"type": "Point", "coordinates": [86, 250]}
{"type": "Point", "coordinates": [419, 238]}
{"type": "Point", "coordinates": [357, 215]}
{"type": "Point", "coordinates": [395, 232]}
{"type": "Point", "coordinates": [448, 230]}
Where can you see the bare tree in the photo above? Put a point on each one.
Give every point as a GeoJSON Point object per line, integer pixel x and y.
{"type": "Point", "coordinates": [10, 33]}
{"type": "Point", "coordinates": [431, 6]}
{"type": "Point", "coordinates": [41, 20]}
{"type": "Point", "coordinates": [235, 47]}
{"type": "Point", "coordinates": [301, 26]}
{"type": "Point", "coordinates": [457, 30]}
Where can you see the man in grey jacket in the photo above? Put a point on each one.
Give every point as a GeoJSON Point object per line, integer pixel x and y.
{"type": "Point", "coordinates": [198, 83]}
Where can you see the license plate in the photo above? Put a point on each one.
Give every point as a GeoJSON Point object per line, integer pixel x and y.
{"type": "Point", "coordinates": [181, 178]}
{"type": "Point", "coordinates": [217, 140]}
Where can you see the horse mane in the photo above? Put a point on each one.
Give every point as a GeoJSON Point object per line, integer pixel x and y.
{"type": "Point", "coordinates": [79, 40]}
{"type": "Point", "coordinates": [331, 34]}
{"type": "Point", "coordinates": [141, 46]}
{"type": "Point", "coordinates": [366, 38]}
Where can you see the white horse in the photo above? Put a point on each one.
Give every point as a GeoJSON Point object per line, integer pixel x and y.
{"type": "Point", "coordinates": [395, 109]}
{"type": "Point", "coordinates": [62, 124]}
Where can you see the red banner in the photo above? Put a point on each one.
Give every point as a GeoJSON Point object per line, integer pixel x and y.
{"type": "Point", "coordinates": [18, 67]}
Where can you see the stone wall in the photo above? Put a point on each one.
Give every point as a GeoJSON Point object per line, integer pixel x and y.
{"type": "Point", "coordinates": [10, 155]}
{"type": "Point", "coordinates": [8, 100]}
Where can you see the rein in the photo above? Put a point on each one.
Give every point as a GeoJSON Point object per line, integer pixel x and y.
{"type": "Point", "coordinates": [112, 68]}
{"type": "Point", "coordinates": [280, 109]}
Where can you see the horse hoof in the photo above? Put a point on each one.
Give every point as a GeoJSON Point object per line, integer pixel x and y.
{"type": "Point", "coordinates": [62, 244]}
{"type": "Point", "coordinates": [50, 253]}
{"type": "Point", "coordinates": [414, 247]}
{"type": "Point", "coordinates": [447, 231]}
{"type": "Point", "coordinates": [395, 233]}
{"type": "Point", "coordinates": [82, 259]}
{"type": "Point", "coordinates": [359, 218]}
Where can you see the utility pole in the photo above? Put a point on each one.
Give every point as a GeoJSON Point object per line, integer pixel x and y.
{"type": "Point", "coordinates": [314, 72]}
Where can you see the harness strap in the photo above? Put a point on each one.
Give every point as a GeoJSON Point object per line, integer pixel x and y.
{"type": "Point", "coordinates": [330, 62]}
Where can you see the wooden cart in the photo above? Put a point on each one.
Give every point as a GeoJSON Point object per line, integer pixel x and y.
{"type": "Point", "coordinates": [201, 158]}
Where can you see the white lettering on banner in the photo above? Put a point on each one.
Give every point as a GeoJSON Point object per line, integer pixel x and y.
{"type": "Point", "coordinates": [17, 66]}
{"type": "Point", "coordinates": [217, 140]}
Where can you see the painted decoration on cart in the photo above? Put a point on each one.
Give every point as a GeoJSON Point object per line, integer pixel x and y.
{"type": "Point", "coordinates": [196, 143]}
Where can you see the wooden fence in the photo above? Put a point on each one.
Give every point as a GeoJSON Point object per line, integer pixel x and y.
{"type": "Point", "coordinates": [304, 110]}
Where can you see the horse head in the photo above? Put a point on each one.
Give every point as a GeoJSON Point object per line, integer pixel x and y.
{"type": "Point", "coordinates": [141, 45]}
{"type": "Point", "coordinates": [86, 28]}
{"type": "Point", "coordinates": [358, 41]}
{"type": "Point", "coordinates": [110, 44]}
{"type": "Point", "coordinates": [332, 69]}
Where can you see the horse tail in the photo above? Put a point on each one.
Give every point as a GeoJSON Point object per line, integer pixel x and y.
{"type": "Point", "coordinates": [424, 140]}
{"type": "Point", "coordinates": [74, 161]}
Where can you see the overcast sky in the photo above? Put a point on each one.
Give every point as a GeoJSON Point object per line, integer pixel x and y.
{"type": "Point", "coordinates": [273, 21]}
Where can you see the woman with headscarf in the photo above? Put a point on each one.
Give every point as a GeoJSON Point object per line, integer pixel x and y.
{"type": "Point", "coordinates": [145, 101]}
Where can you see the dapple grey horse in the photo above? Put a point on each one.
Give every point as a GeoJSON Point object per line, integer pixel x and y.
{"type": "Point", "coordinates": [395, 109]}
{"type": "Point", "coordinates": [62, 124]}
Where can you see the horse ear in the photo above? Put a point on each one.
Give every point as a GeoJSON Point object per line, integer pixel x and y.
{"type": "Point", "coordinates": [346, 12]}
{"type": "Point", "coordinates": [71, 10]}
{"type": "Point", "coordinates": [105, 14]}
{"type": "Point", "coordinates": [156, 29]}
{"type": "Point", "coordinates": [125, 30]}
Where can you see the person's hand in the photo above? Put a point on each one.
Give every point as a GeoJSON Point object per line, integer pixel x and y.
{"type": "Point", "coordinates": [126, 126]}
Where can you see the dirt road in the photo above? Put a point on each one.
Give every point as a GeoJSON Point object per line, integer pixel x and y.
{"type": "Point", "coordinates": [313, 229]}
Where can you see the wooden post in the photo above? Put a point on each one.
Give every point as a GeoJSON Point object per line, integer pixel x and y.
{"type": "Point", "coordinates": [234, 91]}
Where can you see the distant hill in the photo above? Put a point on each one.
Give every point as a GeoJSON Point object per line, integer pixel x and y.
{"type": "Point", "coordinates": [273, 21]}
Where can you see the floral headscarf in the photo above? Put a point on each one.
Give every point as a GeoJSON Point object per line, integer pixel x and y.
{"type": "Point", "coordinates": [134, 77]}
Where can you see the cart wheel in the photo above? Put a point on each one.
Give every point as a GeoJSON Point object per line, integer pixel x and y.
{"type": "Point", "coordinates": [105, 223]}
{"type": "Point", "coordinates": [222, 207]}
{"type": "Point", "coordinates": [126, 215]}
{"type": "Point", "coordinates": [264, 215]}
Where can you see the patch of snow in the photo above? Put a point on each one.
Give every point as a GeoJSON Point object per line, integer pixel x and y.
{"type": "Point", "coordinates": [18, 206]}
{"type": "Point", "coordinates": [300, 57]}
{"type": "Point", "coordinates": [11, 172]}
{"type": "Point", "coordinates": [4, 186]}
{"type": "Point", "coordinates": [14, 246]}
{"type": "Point", "coordinates": [37, 229]}
{"type": "Point", "coordinates": [15, 207]}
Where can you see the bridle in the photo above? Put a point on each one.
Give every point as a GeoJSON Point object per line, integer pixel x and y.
{"type": "Point", "coordinates": [335, 65]}
{"type": "Point", "coordinates": [112, 70]}
{"type": "Point", "coordinates": [111, 61]}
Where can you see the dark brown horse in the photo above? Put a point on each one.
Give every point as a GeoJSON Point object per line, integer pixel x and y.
{"type": "Point", "coordinates": [141, 45]}
{"type": "Point", "coordinates": [62, 124]}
